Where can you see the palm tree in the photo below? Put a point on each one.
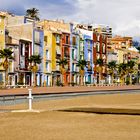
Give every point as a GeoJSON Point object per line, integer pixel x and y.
{"type": "Point", "coordinates": [130, 65]}
{"type": "Point", "coordinates": [112, 67]}
{"type": "Point", "coordinates": [123, 71]}
{"type": "Point", "coordinates": [33, 13]}
{"type": "Point", "coordinates": [82, 64]}
{"type": "Point", "coordinates": [62, 64]}
{"type": "Point", "coordinates": [34, 59]}
{"type": "Point", "coordinates": [6, 54]}
{"type": "Point", "coordinates": [99, 63]}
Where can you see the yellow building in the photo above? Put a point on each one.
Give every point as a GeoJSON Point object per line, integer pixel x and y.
{"type": "Point", "coordinates": [52, 50]}
{"type": "Point", "coordinates": [120, 56]}
{"type": "Point", "coordinates": [52, 54]}
{"type": "Point", "coordinates": [2, 43]}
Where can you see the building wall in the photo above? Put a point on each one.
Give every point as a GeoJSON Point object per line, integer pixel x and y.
{"type": "Point", "coordinates": [74, 55]}
{"type": "Point", "coordinates": [120, 56]}
{"type": "Point", "coordinates": [38, 47]}
{"type": "Point", "coordinates": [14, 20]}
{"type": "Point", "coordinates": [88, 51]}
{"type": "Point", "coordinates": [66, 55]}
{"type": "Point", "coordinates": [2, 45]}
{"type": "Point", "coordinates": [24, 31]}
{"type": "Point", "coordinates": [56, 25]}
{"type": "Point", "coordinates": [2, 32]}
{"type": "Point", "coordinates": [100, 51]}
{"type": "Point", "coordinates": [120, 42]}
{"type": "Point", "coordinates": [112, 55]}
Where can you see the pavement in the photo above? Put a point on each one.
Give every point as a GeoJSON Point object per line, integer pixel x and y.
{"type": "Point", "coordinates": [66, 89]}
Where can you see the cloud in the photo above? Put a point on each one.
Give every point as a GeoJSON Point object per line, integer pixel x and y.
{"type": "Point", "coordinates": [48, 8]}
{"type": "Point", "coordinates": [122, 15]}
{"type": "Point", "coordinates": [14, 6]}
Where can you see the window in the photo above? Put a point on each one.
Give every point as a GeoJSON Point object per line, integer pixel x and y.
{"type": "Point", "coordinates": [97, 47]}
{"type": "Point", "coordinates": [67, 78]}
{"type": "Point", "coordinates": [98, 38]}
{"type": "Point", "coordinates": [81, 57]}
{"type": "Point", "coordinates": [88, 44]}
{"type": "Point", "coordinates": [89, 55]}
{"type": "Point", "coordinates": [67, 39]}
{"type": "Point", "coordinates": [72, 66]}
{"type": "Point", "coordinates": [57, 39]}
{"type": "Point", "coordinates": [89, 78]}
{"type": "Point", "coordinates": [1, 77]}
{"type": "Point", "coordinates": [1, 31]}
{"type": "Point", "coordinates": [72, 53]}
{"type": "Point", "coordinates": [46, 40]}
{"type": "Point", "coordinates": [37, 37]}
{"type": "Point", "coordinates": [47, 54]}
{"type": "Point", "coordinates": [74, 40]}
{"type": "Point", "coordinates": [103, 48]}
{"type": "Point", "coordinates": [22, 49]}
{"type": "Point", "coordinates": [47, 66]}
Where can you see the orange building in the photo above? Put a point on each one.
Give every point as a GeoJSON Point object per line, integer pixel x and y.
{"type": "Point", "coordinates": [66, 55]}
{"type": "Point", "coordinates": [120, 42]}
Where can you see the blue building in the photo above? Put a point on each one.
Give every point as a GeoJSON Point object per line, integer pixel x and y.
{"type": "Point", "coordinates": [88, 55]}
{"type": "Point", "coordinates": [74, 53]}
{"type": "Point", "coordinates": [37, 48]}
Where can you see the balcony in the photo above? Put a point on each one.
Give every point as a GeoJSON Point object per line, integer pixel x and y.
{"type": "Point", "coordinates": [38, 42]}
{"type": "Point", "coordinates": [57, 68]}
{"type": "Point", "coordinates": [58, 52]}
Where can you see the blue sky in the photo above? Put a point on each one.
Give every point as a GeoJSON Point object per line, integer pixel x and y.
{"type": "Point", "coordinates": [122, 15]}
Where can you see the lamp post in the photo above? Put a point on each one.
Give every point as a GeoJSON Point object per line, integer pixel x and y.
{"type": "Point", "coordinates": [30, 99]}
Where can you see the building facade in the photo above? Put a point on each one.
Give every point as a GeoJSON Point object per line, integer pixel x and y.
{"type": "Point", "coordinates": [100, 52]}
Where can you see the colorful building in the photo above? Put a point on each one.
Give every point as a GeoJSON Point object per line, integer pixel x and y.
{"type": "Point", "coordinates": [2, 44]}
{"type": "Point", "coordinates": [55, 41]}
{"type": "Point", "coordinates": [120, 42]}
{"type": "Point", "coordinates": [74, 55]}
{"type": "Point", "coordinates": [88, 51]}
{"type": "Point", "coordinates": [57, 35]}
{"type": "Point", "coordinates": [28, 37]}
{"type": "Point", "coordinates": [100, 52]}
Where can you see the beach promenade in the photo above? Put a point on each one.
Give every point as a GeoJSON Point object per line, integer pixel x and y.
{"type": "Point", "coordinates": [52, 90]}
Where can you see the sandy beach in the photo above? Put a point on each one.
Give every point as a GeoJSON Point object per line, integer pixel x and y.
{"type": "Point", "coordinates": [51, 124]}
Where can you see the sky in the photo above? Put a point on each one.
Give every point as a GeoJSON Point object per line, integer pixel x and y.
{"type": "Point", "coordinates": [122, 15]}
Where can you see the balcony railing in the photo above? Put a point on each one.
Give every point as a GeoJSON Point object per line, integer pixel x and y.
{"type": "Point", "coordinates": [58, 52]}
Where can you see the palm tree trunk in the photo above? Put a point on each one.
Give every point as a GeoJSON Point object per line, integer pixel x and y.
{"type": "Point", "coordinates": [82, 80]}
{"type": "Point", "coordinates": [130, 79]}
{"type": "Point", "coordinates": [123, 80]}
{"type": "Point", "coordinates": [112, 78]}
{"type": "Point", "coordinates": [61, 78]}
{"type": "Point", "coordinates": [99, 78]}
{"type": "Point", "coordinates": [6, 78]}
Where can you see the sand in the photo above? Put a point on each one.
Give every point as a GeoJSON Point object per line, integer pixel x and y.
{"type": "Point", "coordinates": [55, 125]}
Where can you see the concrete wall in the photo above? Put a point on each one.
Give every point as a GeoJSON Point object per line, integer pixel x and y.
{"type": "Point", "coordinates": [18, 32]}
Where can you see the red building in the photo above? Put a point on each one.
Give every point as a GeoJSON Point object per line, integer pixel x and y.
{"type": "Point", "coordinates": [99, 52]}
{"type": "Point", "coordinates": [66, 55]}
